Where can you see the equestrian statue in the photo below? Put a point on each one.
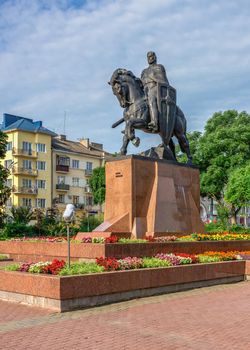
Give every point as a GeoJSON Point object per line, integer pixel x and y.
{"type": "Point", "coordinates": [150, 105]}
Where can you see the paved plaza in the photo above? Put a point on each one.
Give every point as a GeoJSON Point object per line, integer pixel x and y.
{"type": "Point", "coordinates": [215, 317]}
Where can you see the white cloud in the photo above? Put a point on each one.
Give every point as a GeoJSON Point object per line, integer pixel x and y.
{"type": "Point", "coordinates": [56, 56]}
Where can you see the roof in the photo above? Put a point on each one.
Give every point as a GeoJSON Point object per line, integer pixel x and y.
{"type": "Point", "coordinates": [76, 147]}
{"type": "Point", "coordinates": [14, 122]}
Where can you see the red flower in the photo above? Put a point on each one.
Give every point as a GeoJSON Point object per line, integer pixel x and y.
{"type": "Point", "coordinates": [54, 267]}
{"type": "Point", "coordinates": [109, 264]}
{"type": "Point", "coordinates": [111, 239]}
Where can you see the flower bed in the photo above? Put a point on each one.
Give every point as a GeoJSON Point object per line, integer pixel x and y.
{"type": "Point", "coordinates": [194, 237]}
{"type": "Point", "coordinates": [128, 263]}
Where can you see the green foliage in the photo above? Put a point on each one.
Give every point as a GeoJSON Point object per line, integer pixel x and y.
{"type": "Point", "coordinates": [224, 146]}
{"type": "Point", "coordinates": [218, 227]}
{"type": "Point", "coordinates": [131, 241]}
{"type": "Point", "coordinates": [208, 259]}
{"type": "Point", "coordinates": [4, 173]}
{"type": "Point", "coordinates": [237, 191]}
{"type": "Point", "coordinates": [155, 262]}
{"type": "Point", "coordinates": [81, 269]}
{"type": "Point", "coordinates": [97, 185]}
{"type": "Point", "coordinates": [223, 214]}
{"type": "Point", "coordinates": [3, 257]}
{"type": "Point", "coordinates": [16, 230]}
{"type": "Point", "coordinates": [89, 223]}
{"type": "Point", "coordinates": [21, 215]}
{"type": "Point", "coordinates": [12, 267]}
{"type": "Point", "coordinates": [60, 229]}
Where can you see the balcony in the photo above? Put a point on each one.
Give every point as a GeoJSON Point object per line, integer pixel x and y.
{"type": "Point", "coordinates": [62, 187]}
{"type": "Point", "coordinates": [24, 190]}
{"type": "Point", "coordinates": [88, 172]}
{"type": "Point", "coordinates": [24, 171]}
{"type": "Point", "coordinates": [62, 168]}
{"type": "Point", "coordinates": [19, 152]}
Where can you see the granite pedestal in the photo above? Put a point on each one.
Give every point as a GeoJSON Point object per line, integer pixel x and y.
{"type": "Point", "coordinates": [145, 196]}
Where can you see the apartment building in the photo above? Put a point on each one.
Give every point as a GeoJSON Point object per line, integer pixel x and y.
{"type": "Point", "coordinates": [29, 159]}
{"type": "Point", "coordinates": [73, 164]}
{"type": "Point", "coordinates": [46, 169]}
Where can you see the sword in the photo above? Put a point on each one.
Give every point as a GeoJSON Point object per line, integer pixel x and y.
{"type": "Point", "coordinates": [118, 123]}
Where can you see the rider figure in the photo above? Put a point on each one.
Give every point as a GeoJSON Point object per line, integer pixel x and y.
{"type": "Point", "coordinates": [155, 73]}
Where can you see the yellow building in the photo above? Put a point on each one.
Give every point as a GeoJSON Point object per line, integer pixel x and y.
{"type": "Point", "coordinates": [73, 164]}
{"type": "Point", "coordinates": [29, 159]}
{"type": "Point", "coordinates": [47, 170]}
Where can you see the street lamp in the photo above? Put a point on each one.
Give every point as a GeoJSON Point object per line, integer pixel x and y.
{"type": "Point", "coordinates": [68, 216]}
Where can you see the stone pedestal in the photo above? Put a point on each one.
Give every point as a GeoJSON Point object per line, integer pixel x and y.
{"type": "Point", "coordinates": [145, 196]}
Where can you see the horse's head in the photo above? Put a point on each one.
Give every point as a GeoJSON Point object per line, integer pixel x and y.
{"type": "Point", "coordinates": [123, 83]}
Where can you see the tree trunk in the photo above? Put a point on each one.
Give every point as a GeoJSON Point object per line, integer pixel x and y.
{"type": "Point", "coordinates": [234, 212]}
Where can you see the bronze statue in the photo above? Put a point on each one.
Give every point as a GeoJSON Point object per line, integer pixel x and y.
{"type": "Point", "coordinates": [150, 105]}
{"type": "Point", "coordinates": [151, 77]}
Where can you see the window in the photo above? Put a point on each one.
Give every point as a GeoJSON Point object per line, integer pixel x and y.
{"type": "Point", "coordinates": [76, 200]}
{"type": "Point", "coordinates": [62, 160]}
{"type": "Point", "coordinates": [40, 203]}
{"type": "Point", "coordinates": [27, 164]}
{"type": "Point", "coordinates": [61, 179]}
{"type": "Point", "coordinates": [27, 146]}
{"type": "Point", "coordinates": [41, 184]}
{"type": "Point", "coordinates": [7, 164]}
{"type": "Point", "coordinates": [89, 166]}
{"type": "Point", "coordinates": [41, 165]}
{"type": "Point", "coordinates": [27, 183]}
{"type": "Point", "coordinates": [27, 202]}
{"type": "Point", "coordinates": [9, 146]}
{"type": "Point", "coordinates": [89, 200]}
{"type": "Point", "coordinates": [61, 198]}
{"type": "Point", "coordinates": [75, 181]}
{"type": "Point", "coordinates": [41, 147]}
{"type": "Point", "coordinates": [75, 163]}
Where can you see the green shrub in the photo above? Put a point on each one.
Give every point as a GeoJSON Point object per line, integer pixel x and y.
{"type": "Point", "coordinates": [88, 224]}
{"type": "Point", "coordinates": [21, 215]}
{"type": "Point", "coordinates": [217, 227]}
{"type": "Point", "coordinates": [17, 230]}
{"type": "Point", "coordinates": [81, 269]}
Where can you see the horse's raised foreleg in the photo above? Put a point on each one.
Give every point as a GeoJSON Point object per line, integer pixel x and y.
{"type": "Point", "coordinates": [133, 124]}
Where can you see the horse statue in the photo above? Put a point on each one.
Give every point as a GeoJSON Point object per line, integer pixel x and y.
{"type": "Point", "coordinates": [130, 93]}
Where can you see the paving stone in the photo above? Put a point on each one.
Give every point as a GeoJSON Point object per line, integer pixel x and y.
{"type": "Point", "coordinates": [208, 318]}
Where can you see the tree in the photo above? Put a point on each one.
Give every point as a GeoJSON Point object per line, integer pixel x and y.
{"type": "Point", "coordinates": [224, 146]}
{"type": "Point", "coordinates": [97, 185]}
{"type": "Point", "coordinates": [237, 192]}
{"type": "Point", "coordinates": [4, 173]}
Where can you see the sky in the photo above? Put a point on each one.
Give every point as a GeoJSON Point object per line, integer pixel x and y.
{"type": "Point", "coordinates": [56, 57]}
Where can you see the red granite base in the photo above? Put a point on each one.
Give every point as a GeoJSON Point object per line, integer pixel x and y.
{"type": "Point", "coordinates": [71, 292]}
{"type": "Point", "coordinates": [44, 251]}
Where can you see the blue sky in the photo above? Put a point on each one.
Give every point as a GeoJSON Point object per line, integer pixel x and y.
{"type": "Point", "coordinates": [56, 56]}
